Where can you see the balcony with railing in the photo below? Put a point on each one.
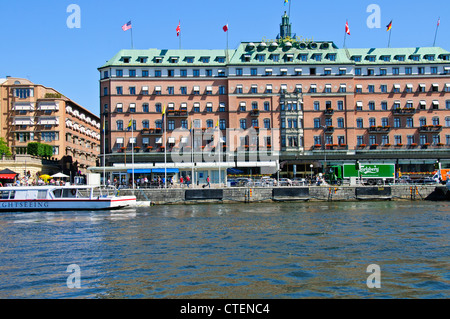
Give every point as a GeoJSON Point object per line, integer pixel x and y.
{"type": "Point", "coordinates": [430, 128]}
{"type": "Point", "coordinates": [380, 129]}
{"type": "Point", "coordinates": [404, 111]}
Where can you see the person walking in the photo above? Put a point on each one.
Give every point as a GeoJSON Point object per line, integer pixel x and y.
{"type": "Point", "coordinates": [208, 182]}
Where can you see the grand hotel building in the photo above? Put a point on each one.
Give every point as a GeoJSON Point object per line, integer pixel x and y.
{"type": "Point", "coordinates": [329, 105]}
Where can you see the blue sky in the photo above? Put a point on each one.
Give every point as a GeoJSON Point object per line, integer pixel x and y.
{"type": "Point", "coordinates": [38, 45]}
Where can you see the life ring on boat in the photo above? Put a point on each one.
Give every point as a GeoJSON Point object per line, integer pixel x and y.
{"type": "Point", "coordinates": [74, 192]}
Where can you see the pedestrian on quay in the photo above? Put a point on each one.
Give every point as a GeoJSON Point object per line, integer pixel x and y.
{"type": "Point", "coordinates": [181, 181]}
{"type": "Point", "coordinates": [188, 180]}
{"type": "Point", "coordinates": [208, 182]}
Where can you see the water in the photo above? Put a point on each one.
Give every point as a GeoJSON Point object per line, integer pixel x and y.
{"type": "Point", "coordinates": [281, 251]}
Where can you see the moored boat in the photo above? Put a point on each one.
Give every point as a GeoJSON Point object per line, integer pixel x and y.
{"type": "Point", "coordinates": [61, 198]}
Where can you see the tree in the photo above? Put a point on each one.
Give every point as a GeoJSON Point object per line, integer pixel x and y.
{"type": "Point", "coordinates": [41, 150]}
{"type": "Point", "coordinates": [4, 148]}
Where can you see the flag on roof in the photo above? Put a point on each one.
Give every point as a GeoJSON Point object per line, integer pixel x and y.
{"type": "Point", "coordinates": [126, 26]}
{"type": "Point", "coordinates": [389, 26]}
{"type": "Point", "coordinates": [347, 29]}
{"type": "Point", "coordinates": [225, 28]}
{"type": "Point", "coordinates": [439, 21]}
{"type": "Point", "coordinates": [178, 29]}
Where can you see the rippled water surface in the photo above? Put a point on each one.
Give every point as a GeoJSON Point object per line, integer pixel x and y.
{"type": "Point", "coordinates": [293, 250]}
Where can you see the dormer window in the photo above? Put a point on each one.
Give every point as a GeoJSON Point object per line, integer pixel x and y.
{"type": "Point", "coordinates": [357, 58]}
{"type": "Point", "coordinates": [126, 60]}
{"type": "Point", "coordinates": [429, 57]}
{"type": "Point", "coordinates": [371, 58]}
{"type": "Point", "coordinates": [158, 60]}
{"type": "Point", "coordinates": [174, 60]}
{"type": "Point", "coordinates": [189, 60]}
{"type": "Point", "coordinates": [247, 58]}
{"type": "Point", "coordinates": [400, 58]}
{"type": "Point", "coordinates": [332, 56]}
{"type": "Point", "coordinates": [142, 59]}
{"type": "Point", "coordinates": [204, 59]}
{"type": "Point", "coordinates": [221, 59]}
{"type": "Point", "coordinates": [415, 57]}
{"type": "Point", "coordinates": [385, 58]}
{"type": "Point", "coordinates": [261, 57]}
{"type": "Point", "coordinates": [317, 57]}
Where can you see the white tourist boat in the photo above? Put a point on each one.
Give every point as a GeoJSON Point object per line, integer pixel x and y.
{"type": "Point", "coordinates": [61, 198]}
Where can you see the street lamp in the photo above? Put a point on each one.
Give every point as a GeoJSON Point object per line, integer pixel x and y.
{"type": "Point", "coordinates": [311, 166]}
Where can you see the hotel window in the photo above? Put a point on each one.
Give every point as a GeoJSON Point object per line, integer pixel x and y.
{"type": "Point", "coordinates": [196, 73]}
{"type": "Point", "coordinates": [221, 59]}
{"type": "Point", "coordinates": [275, 57]}
{"type": "Point", "coordinates": [189, 60]}
{"type": "Point", "coordinates": [119, 107]}
{"type": "Point", "coordinates": [254, 89]}
{"type": "Point", "coordinates": [340, 105]}
{"type": "Point", "coordinates": [209, 73]}
{"type": "Point", "coordinates": [268, 72]}
{"type": "Point", "coordinates": [145, 73]}
{"type": "Point", "coordinates": [434, 70]}
{"type": "Point", "coordinates": [239, 72]}
{"type": "Point", "coordinates": [303, 57]}
{"type": "Point", "coordinates": [447, 139]}
{"type": "Point", "coordinates": [383, 88]}
{"type": "Point", "coordinates": [243, 124]}
{"type": "Point", "coordinates": [359, 140]}
{"type": "Point", "coordinates": [145, 124]}
{"type": "Point", "coordinates": [254, 105]}
{"type": "Point", "coordinates": [409, 88]}
{"type": "Point", "coordinates": [435, 88]}
{"type": "Point", "coordinates": [371, 106]}
{"type": "Point", "coordinates": [145, 141]}
{"type": "Point", "coordinates": [317, 57]}
{"type": "Point", "coordinates": [408, 70]}
{"type": "Point", "coordinates": [183, 73]}
{"type": "Point", "coordinates": [383, 72]}
{"type": "Point", "coordinates": [171, 125]}
{"type": "Point", "coordinates": [298, 72]}
{"type": "Point", "coordinates": [435, 105]}
{"type": "Point", "coordinates": [267, 124]}
{"type": "Point", "coordinates": [119, 125]}
{"type": "Point", "coordinates": [435, 120]}
{"type": "Point", "coordinates": [105, 91]}
{"type": "Point", "coordinates": [255, 123]}
{"type": "Point", "coordinates": [158, 108]}
{"type": "Point", "coordinates": [313, 88]}
{"type": "Point", "coordinates": [283, 88]}
{"type": "Point", "coordinates": [158, 124]}
{"type": "Point", "coordinates": [422, 121]}
{"type": "Point", "coordinates": [289, 57]}
{"type": "Point", "coordinates": [371, 89]}
{"type": "Point", "coordinates": [105, 74]}
{"type": "Point", "coordinates": [359, 106]}
{"type": "Point", "coordinates": [343, 88]}
{"type": "Point", "coordinates": [196, 90]}
{"type": "Point", "coordinates": [370, 72]}
{"type": "Point", "coordinates": [119, 90]}
{"type": "Point", "coordinates": [342, 71]}
{"type": "Point", "coordinates": [436, 139]}
{"type": "Point", "coordinates": [145, 108]}
{"type": "Point", "coordinates": [422, 88]}
{"type": "Point", "coordinates": [384, 139]}
{"type": "Point", "coordinates": [171, 73]}
{"type": "Point", "coordinates": [221, 73]}
{"type": "Point", "coordinates": [340, 122]}
{"type": "Point", "coordinates": [446, 70]}
{"type": "Point", "coordinates": [397, 122]}
{"type": "Point", "coordinates": [223, 124]}
{"type": "Point", "coordinates": [222, 107]}
{"type": "Point", "coordinates": [197, 107]}
{"type": "Point", "coordinates": [385, 121]}
{"type": "Point", "coordinates": [157, 73]}
{"type": "Point", "coordinates": [398, 139]}
{"type": "Point", "coordinates": [170, 90]}
{"type": "Point", "coordinates": [183, 90]}
{"type": "Point", "coordinates": [132, 73]}
{"type": "Point", "coordinates": [298, 88]}
{"type": "Point", "coordinates": [242, 106]}
{"type": "Point", "coordinates": [132, 108]}
{"type": "Point", "coordinates": [395, 71]}
{"type": "Point", "coordinates": [396, 88]}
{"type": "Point", "coordinates": [316, 106]}
{"type": "Point", "coordinates": [358, 71]}
{"type": "Point", "coordinates": [317, 140]}
{"type": "Point", "coordinates": [209, 123]}
{"type": "Point", "coordinates": [283, 72]}
{"type": "Point", "coordinates": [447, 105]}
{"type": "Point", "coordinates": [358, 88]}
{"type": "Point", "coordinates": [209, 90]}
{"type": "Point", "coordinates": [222, 90]}
{"type": "Point", "coordinates": [421, 70]}
{"type": "Point", "coordinates": [372, 139]}
{"type": "Point", "coordinates": [312, 71]}
{"type": "Point", "coordinates": [327, 71]}
{"type": "Point", "coordinates": [119, 73]}
{"type": "Point", "coordinates": [415, 57]}
{"type": "Point", "coordinates": [239, 89]}
{"type": "Point", "coordinates": [447, 87]}
{"type": "Point", "coordinates": [409, 122]}
{"type": "Point", "coordinates": [328, 122]}
{"type": "Point", "coordinates": [132, 90]}
{"type": "Point", "coordinates": [423, 139]}
{"type": "Point", "coordinates": [317, 123]}
{"type": "Point", "coordinates": [209, 107]}
{"type": "Point", "coordinates": [372, 122]}
{"type": "Point", "coordinates": [261, 57]}
{"type": "Point", "coordinates": [332, 56]}
{"type": "Point", "coordinates": [328, 88]}
{"type": "Point", "coordinates": [359, 123]}
{"type": "Point", "coordinates": [204, 59]}
{"type": "Point", "coordinates": [401, 58]}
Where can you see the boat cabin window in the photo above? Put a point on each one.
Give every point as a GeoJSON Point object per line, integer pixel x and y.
{"type": "Point", "coordinates": [31, 194]}
{"type": "Point", "coordinates": [70, 193]}
{"type": "Point", "coordinates": [4, 194]}
{"type": "Point", "coordinates": [57, 193]}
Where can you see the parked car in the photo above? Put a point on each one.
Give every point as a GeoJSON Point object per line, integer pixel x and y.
{"type": "Point", "coordinates": [242, 182]}
{"type": "Point", "coordinates": [426, 181]}
{"type": "Point", "coordinates": [285, 182]}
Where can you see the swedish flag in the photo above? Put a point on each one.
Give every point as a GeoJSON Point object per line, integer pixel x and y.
{"type": "Point", "coordinates": [130, 124]}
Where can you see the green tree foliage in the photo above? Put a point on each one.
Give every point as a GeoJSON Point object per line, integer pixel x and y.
{"type": "Point", "coordinates": [39, 149]}
{"type": "Point", "coordinates": [4, 148]}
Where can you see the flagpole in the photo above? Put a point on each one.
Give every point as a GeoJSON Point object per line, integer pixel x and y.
{"type": "Point", "coordinates": [290, 8]}
{"type": "Point", "coordinates": [132, 47]}
{"type": "Point", "coordinates": [435, 35]}
{"type": "Point", "coordinates": [132, 151]}
{"type": "Point", "coordinates": [104, 152]}
{"type": "Point", "coordinates": [192, 153]}
{"type": "Point", "coordinates": [179, 23]}
{"type": "Point", "coordinates": [165, 150]}
{"type": "Point", "coordinates": [345, 38]}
